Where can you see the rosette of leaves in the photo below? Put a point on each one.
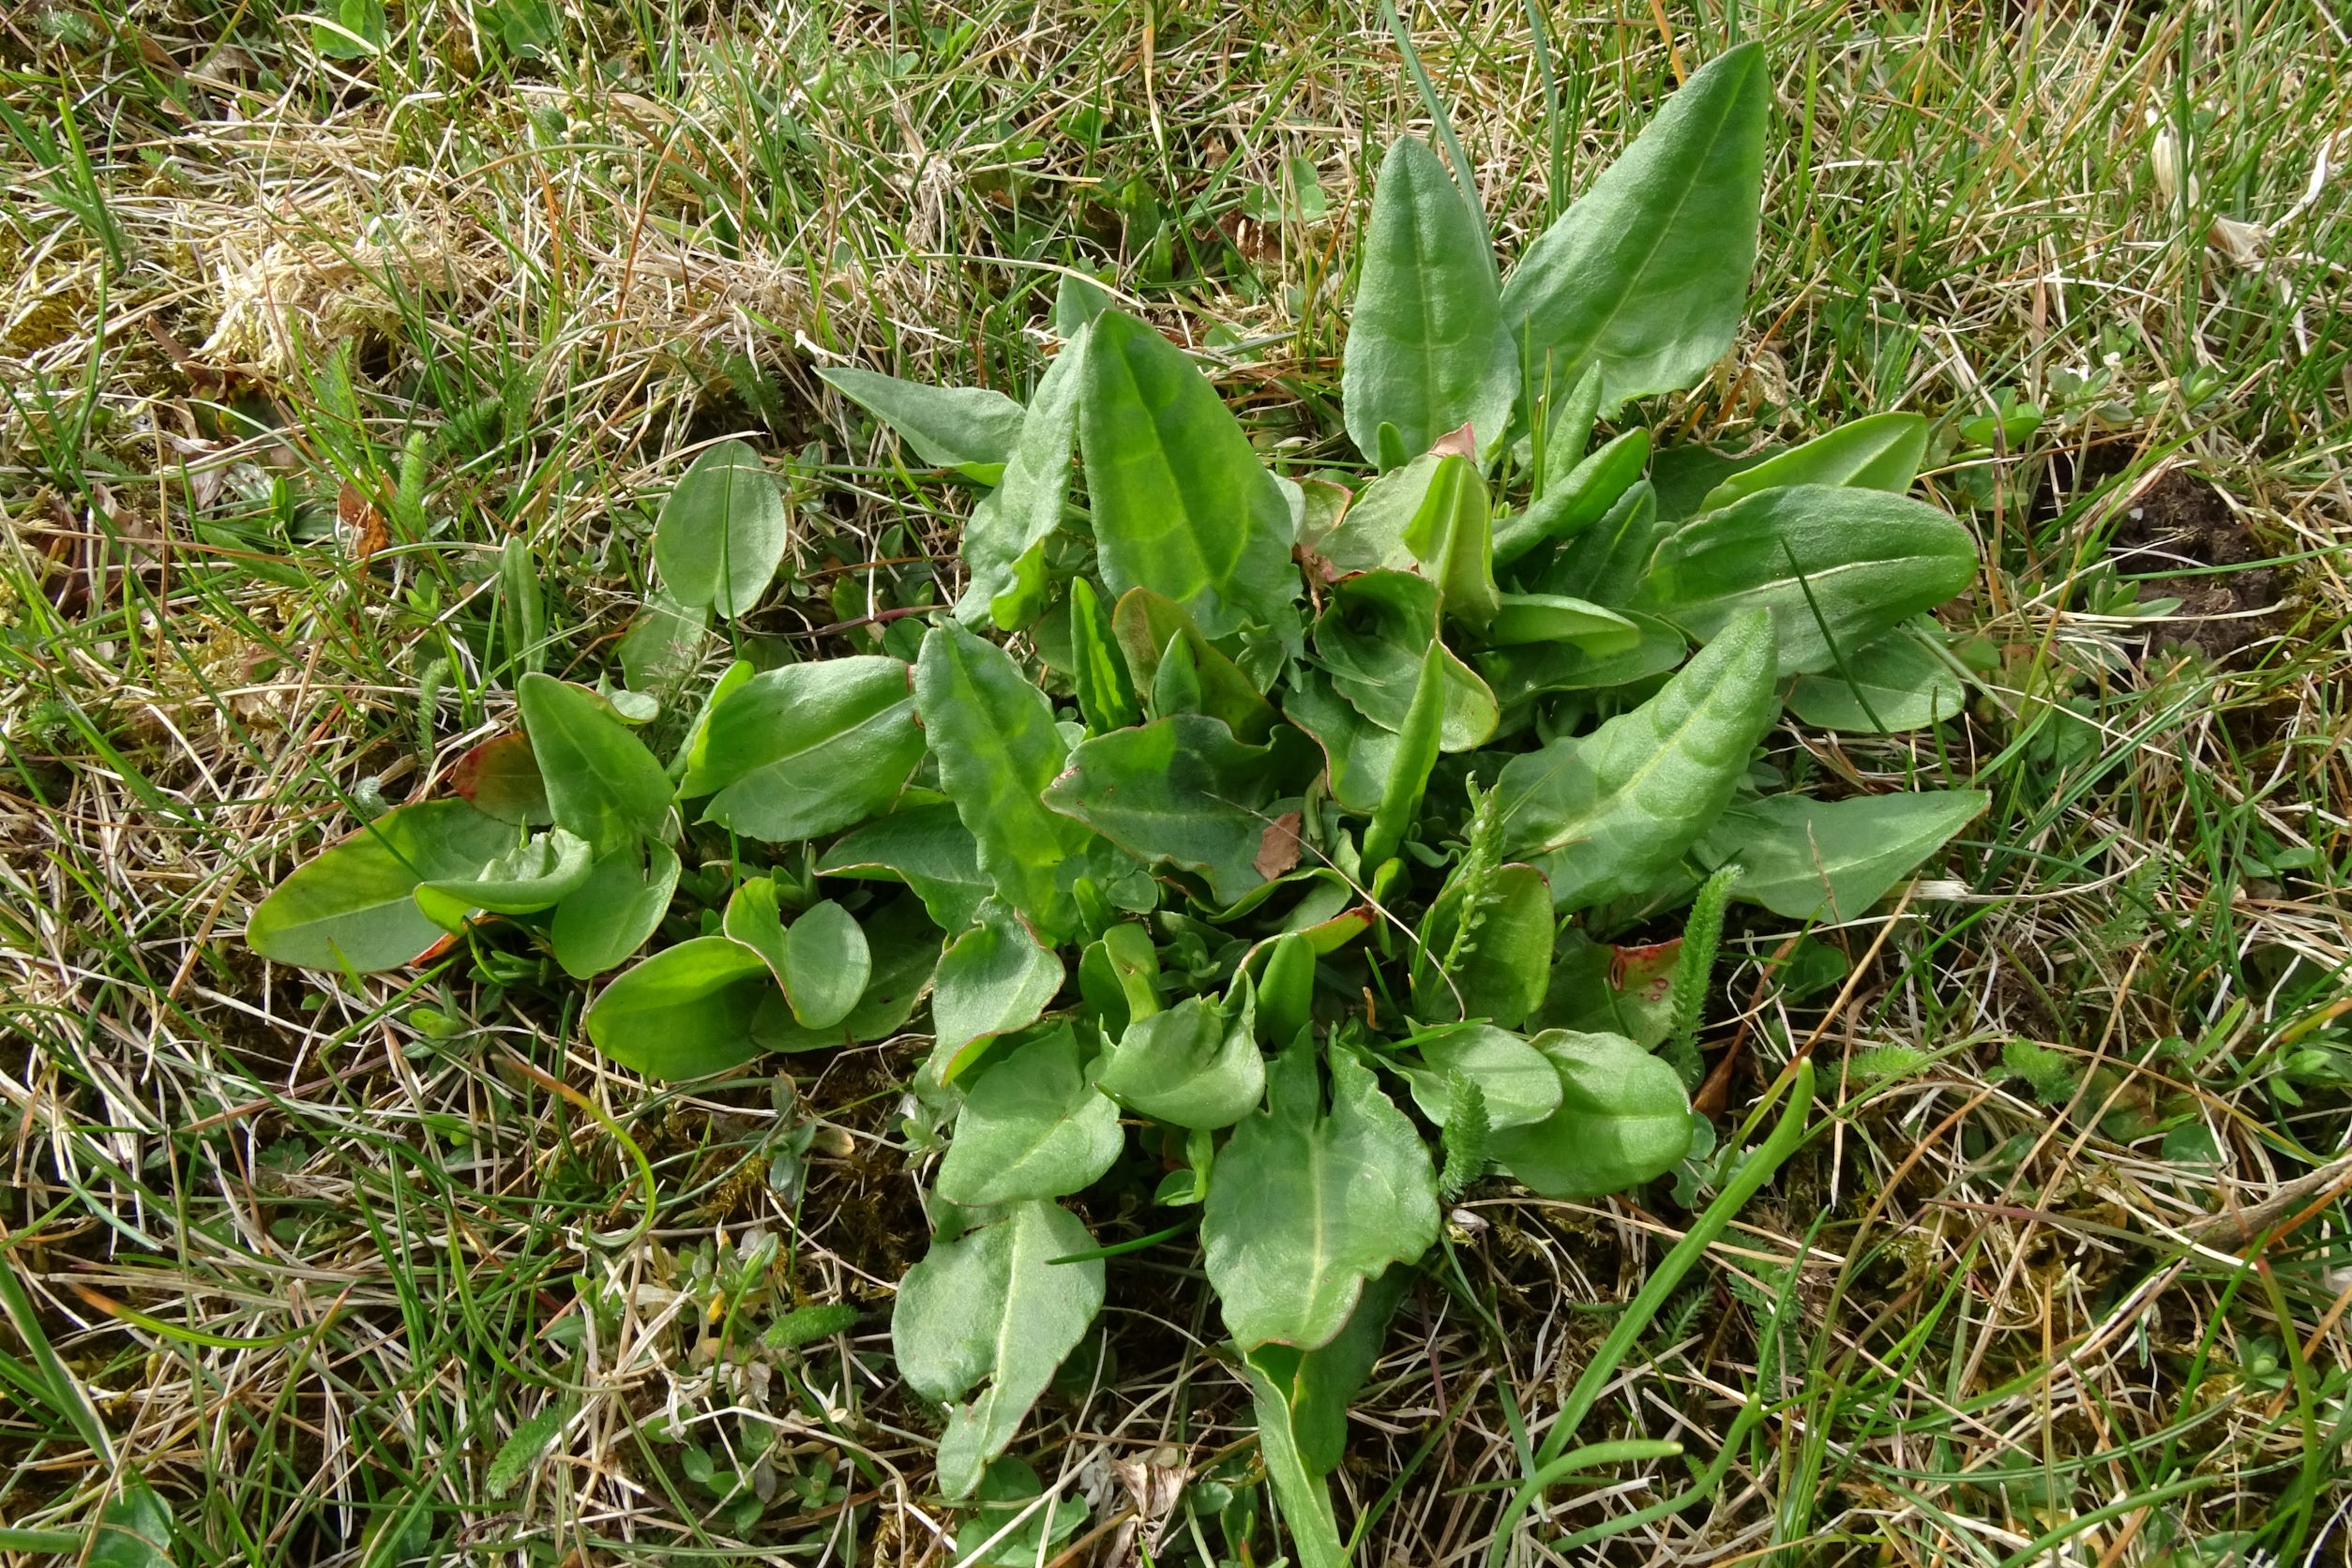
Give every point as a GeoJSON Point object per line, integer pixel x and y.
{"type": "Point", "coordinates": [1264, 855]}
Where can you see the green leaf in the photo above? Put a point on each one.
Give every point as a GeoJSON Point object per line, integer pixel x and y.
{"type": "Point", "coordinates": [1417, 744]}
{"type": "Point", "coordinates": [1032, 1125]}
{"type": "Point", "coordinates": [1605, 815]}
{"type": "Point", "coordinates": [969, 428]}
{"type": "Point", "coordinates": [1622, 1120]}
{"type": "Point", "coordinates": [1299, 1492]}
{"type": "Point", "coordinates": [998, 748]}
{"type": "Point", "coordinates": [616, 912]}
{"type": "Point", "coordinates": [1802, 857]}
{"type": "Point", "coordinates": [530, 877]}
{"type": "Point", "coordinates": [1005, 560]}
{"type": "Point", "coordinates": [1501, 967]}
{"type": "Point", "coordinates": [1285, 988]}
{"type": "Point", "coordinates": [1315, 1385]}
{"type": "Point", "coordinates": [664, 642]}
{"type": "Point", "coordinates": [1600, 989]}
{"type": "Point", "coordinates": [1193, 1065]}
{"type": "Point", "coordinates": [826, 965]}
{"type": "Point", "coordinates": [1452, 540]}
{"type": "Point", "coordinates": [1426, 349]}
{"type": "Point", "coordinates": [1368, 533]}
{"type": "Point", "coordinates": [1358, 754]}
{"type": "Point", "coordinates": [1521, 672]}
{"type": "Point", "coordinates": [1576, 501]}
{"type": "Point", "coordinates": [925, 847]}
{"type": "Point", "coordinates": [722, 531]}
{"type": "Point", "coordinates": [993, 979]}
{"type": "Point", "coordinates": [1181, 506]}
{"type": "Point", "coordinates": [1105, 693]}
{"type": "Point", "coordinates": [1879, 452]}
{"type": "Point", "coordinates": [1077, 301]}
{"type": "Point", "coordinates": [1606, 568]}
{"type": "Point", "coordinates": [1119, 977]}
{"type": "Point", "coordinates": [601, 782]}
{"type": "Point", "coordinates": [1647, 275]}
{"type": "Point", "coordinates": [1521, 1085]}
{"type": "Point", "coordinates": [905, 949]}
{"type": "Point", "coordinates": [1895, 684]}
{"type": "Point", "coordinates": [808, 748]}
{"type": "Point", "coordinates": [1146, 623]}
{"type": "Point", "coordinates": [686, 1012]}
{"type": "Point", "coordinates": [135, 1530]}
{"type": "Point", "coordinates": [1373, 640]}
{"type": "Point", "coordinates": [1556, 618]}
{"type": "Point", "coordinates": [1856, 561]}
{"type": "Point", "coordinates": [501, 778]}
{"type": "Point", "coordinates": [992, 1306]}
{"type": "Point", "coordinates": [806, 1325]}
{"type": "Point", "coordinates": [1306, 1204]}
{"type": "Point", "coordinates": [522, 1448]}
{"type": "Point", "coordinates": [1183, 789]}
{"type": "Point", "coordinates": [353, 905]}
{"type": "Point", "coordinates": [1004, 1530]}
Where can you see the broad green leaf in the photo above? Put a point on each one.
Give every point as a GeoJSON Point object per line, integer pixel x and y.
{"type": "Point", "coordinates": [1603, 814]}
{"type": "Point", "coordinates": [1556, 618]}
{"type": "Point", "coordinates": [1105, 693]}
{"type": "Point", "coordinates": [1004, 1530]}
{"type": "Point", "coordinates": [601, 782]}
{"type": "Point", "coordinates": [905, 946]}
{"type": "Point", "coordinates": [998, 748]}
{"type": "Point", "coordinates": [1577, 499]}
{"type": "Point", "coordinates": [808, 748]}
{"type": "Point", "coordinates": [1368, 534]}
{"type": "Point", "coordinates": [664, 642]}
{"type": "Point", "coordinates": [1005, 561]}
{"type": "Point", "coordinates": [1427, 348]}
{"type": "Point", "coordinates": [1895, 684]}
{"type": "Point", "coordinates": [1520, 673]}
{"type": "Point", "coordinates": [1182, 504]}
{"type": "Point", "coordinates": [1499, 972]}
{"type": "Point", "coordinates": [969, 428]}
{"type": "Point", "coordinates": [1285, 1001]}
{"type": "Point", "coordinates": [1605, 568]}
{"type": "Point", "coordinates": [1119, 977]}
{"type": "Point", "coordinates": [1300, 1493]}
{"type": "Point", "coordinates": [1183, 789]}
{"type": "Point", "coordinates": [1176, 684]}
{"type": "Point", "coordinates": [696, 746]}
{"type": "Point", "coordinates": [1597, 988]}
{"type": "Point", "coordinates": [1307, 1203]}
{"type": "Point", "coordinates": [755, 918]}
{"type": "Point", "coordinates": [993, 1307]}
{"type": "Point", "coordinates": [722, 531]}
{"type": "Point", "coordinates": [616, 912]}
{"type": "Point", "coordinates": [1032, 1125]}
{"type": "Point", "coordinates": [1622, 1120]}
{"type": "Point", "coordinates": [1647, 275]}
{"type": "Point", "coordinates": [353, 905]}
{"type": "Point", "coordinates": [1418, 742]}
{"type": "Point", "coordinates": [826, 965]}
{"type": "Point", "coordinates": [1451, 539]}
{"type": "Point", "coordinates": [501, 778]}
{"type": "Point", "coordinates": [1077, 301]}
{"type": "Point", "coordinates": [1520, 1083]}
{"type": "Point", "coordinates": [134, 1532]}
{"type": "Point", "coordinates": [1193, 1065]}
{"type": "Point", "coordinates": [1358, 754]}
{"type": "Point", "coordinates": [1801, 857]}
{"type": "Point", "coordinates": [1145, 623]}
{"type": "Point", "coordinates": [530, 877]}
{"type": "Point", "coordinates": [925, 847]}
{"type": "Point", "coordinates": [1316, 1385]}
{"type": "Point", "coordinates": [993, 979]}
{"type": "Point", "coordinates": [1850, 565]}
{"type": "Point", "coordinates": [1373, 640]}
{"type": "Point", "coordinates": [685, 1012]}
{"type": "Point", "coordinates": [1879, 452]}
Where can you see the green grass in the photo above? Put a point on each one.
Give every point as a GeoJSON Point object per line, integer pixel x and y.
{"type": "Point", "coordinates": [306, 1257]}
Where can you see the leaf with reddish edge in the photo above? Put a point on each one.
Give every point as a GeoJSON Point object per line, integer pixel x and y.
{"type": "Point", "coordinates": [501, 778]}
